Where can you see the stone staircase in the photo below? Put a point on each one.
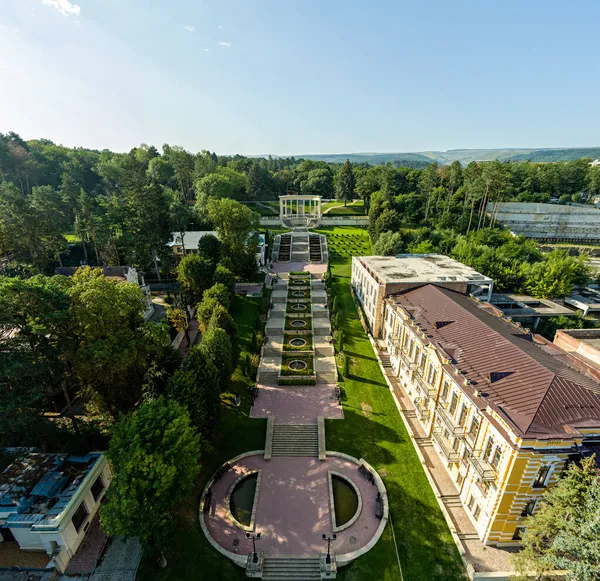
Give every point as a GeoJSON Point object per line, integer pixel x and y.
{"type": "Point", "coordinates": [284, 248]}
{"type": "Point", "coordinates": [315, 248]}
{"type": "Point", "coordinates": [295, 440]}
{"type": "Point", "coordinates": [300, 247]}
{"type": "Point", "coordinates": [385, 359]}
{"type": "Point", "coordinates": [291, 569]}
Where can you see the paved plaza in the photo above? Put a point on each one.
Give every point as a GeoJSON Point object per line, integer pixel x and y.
{"type": "Point", "coordinates": [297, 405]}
{"type": "Point", "coordinates": [293, 507]}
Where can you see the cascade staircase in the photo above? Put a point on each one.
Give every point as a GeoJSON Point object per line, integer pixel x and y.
{"type": "Point", "coordinates": [285, 248]}
{"type": "Point", "coordinates": [314, 242]}
{"type": "Point", "coordinates": [295, 440]}
{"type": "Point", "coordinates": [291, 569]}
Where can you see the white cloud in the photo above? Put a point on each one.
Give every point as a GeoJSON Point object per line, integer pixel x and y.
{"type": "Point", "coordinates": [207, 50]}
{"type": "Point", "coordinates": [63, 6]}
{"type": "Point", "coordinates": [225, 44]}
{"type": "Point", "coordinates": [219, 26]}
{"type": "Point", "coordinates": [189, 28]}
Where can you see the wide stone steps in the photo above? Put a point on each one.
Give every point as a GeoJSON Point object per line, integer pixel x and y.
{"type": "Point", "coordinates": [295, 440]}
{"type": "Point", "coordinates": [291, 569]}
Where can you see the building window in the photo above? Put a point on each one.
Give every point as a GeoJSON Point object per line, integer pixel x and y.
{"type": "Point", "coordinates": [528, 508]}
{"type": "Point", "coordinates": [477, 512]}
{"type": "Point", "coordinates": [453, 403]}
{"type": "Point", "coordinates": [79, 517]}
{"type": "Point", "coordinates": [518, 534]}
{"type": "Point", "coordinates": [471, 502]}
{"type": "Point", "coordinates": [463, 415]}
{"type": "Point", "coordinates": [97, 488]}
{"type": "Point", "coordinates": [423, 361]}
{"type": "Point", "coordinates": [474, 428]}
{"type": "Point", "coordinates": [497, 457]}
{"type": "Point", "coordinates": [542, 476]}
{"type": "Point", "coordinates": [456, 444]}
{"type": "Point", "coordinates": [488, 449]}
{"type": "Point", "coordinates": [460, 479]}
{"type": "Point", "coordinates": [445, 388]}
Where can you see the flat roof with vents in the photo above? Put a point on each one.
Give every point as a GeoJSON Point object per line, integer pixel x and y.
{"type": "Point", "coordinates": [422, 268]}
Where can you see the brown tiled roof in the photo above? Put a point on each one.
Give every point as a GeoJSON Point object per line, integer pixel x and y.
{"type": "Point", "coordinates": [527, 383]}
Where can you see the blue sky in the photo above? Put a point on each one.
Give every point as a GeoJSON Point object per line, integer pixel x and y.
{"type": "Point", "coordinates": [293, 77]}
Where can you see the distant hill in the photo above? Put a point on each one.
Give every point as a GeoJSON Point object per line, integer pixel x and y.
{"type": "Point", "coordinates": [465, 156]}
{"type": "Point", "coordinates": [409, 159]}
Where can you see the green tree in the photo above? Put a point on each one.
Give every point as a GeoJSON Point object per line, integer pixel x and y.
{"type": "Point", "coordinates": [116, 356]}
{"type": "Point", "coordinates": [234, 222]}
{"type": "Point", "coordinates": [345, 183]}
{"type": "Point", "coordinates": [196, 386]}
{"type": "Point", "coordinates": [195, 274]}
{"type": "Point", "coordinates": [318, 182]}
{"type": "Point", "coordinates": [564, 532]}
{"type": "Point", "coordinates": [219, 292]}
{"type": "Point", "coordinates": [224, 276]}
{"type": "Point", "coordinates": [556, 276]}
{"type": "Point", "coordinates": [155, 456]}
{"type": "Point", "coordinates": [217, 347]}
{"type": "Point", "coordinates": [35, 320]}
{"type": "Point", "coordinates": [388, 244]}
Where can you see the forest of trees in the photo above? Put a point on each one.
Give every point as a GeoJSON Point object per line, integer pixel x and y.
{"type": "Point", "coordinates": [122, 207]}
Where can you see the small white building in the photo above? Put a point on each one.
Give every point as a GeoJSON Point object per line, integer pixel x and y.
{"type": "Point", "coordinates": [47, 502]}
{"type": "Point", "coordinates": [184, 243]}
{"type": "Point", "coordinates": [376, 277]}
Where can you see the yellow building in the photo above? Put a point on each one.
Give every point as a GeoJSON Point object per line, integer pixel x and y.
{"type": "Point", "coordinates": [505, 409]}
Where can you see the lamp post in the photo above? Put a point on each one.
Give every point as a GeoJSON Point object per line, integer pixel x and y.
{"type": "Point", "coordinates": [329, 539]}
{"type": "Point", "coordinates": [254, 538]}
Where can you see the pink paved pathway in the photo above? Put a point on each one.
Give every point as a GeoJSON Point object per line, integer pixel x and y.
{"type": "Point", "coordinates": [293, 507]}
{"type": "Point", "coordinates": [297, 266]}
{"type": "Point", "coordinates": [296, 405]}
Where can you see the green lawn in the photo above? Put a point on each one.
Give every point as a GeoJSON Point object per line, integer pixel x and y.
{"type": "Point", "coordinates": [191, 557]}
{"type": "Point", "coordinates": [372, 429]}
{"type": "Point", "coordinates": [355, 208]}
{"type": "Point", "coordinates": [265, 208]}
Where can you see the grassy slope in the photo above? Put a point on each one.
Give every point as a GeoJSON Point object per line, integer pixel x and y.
{"type": "Point", "coordinates": [191, 557]}
{"type": "Point", "coordinates": [427, 551]}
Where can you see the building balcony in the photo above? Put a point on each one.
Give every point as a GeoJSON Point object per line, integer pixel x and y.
{"type": "Point", "coordinates": [448, 420]}
{"type": "Point", "coordinates": [483, 468]}
{"type": "Point", "coordinates": [424, 387]}
{"type": "Point", "coordinates": [445, 447]}
{"type": "Point", "coordinates": [410, 365]}
{"type": "Point", "coordinates": [423, 412]}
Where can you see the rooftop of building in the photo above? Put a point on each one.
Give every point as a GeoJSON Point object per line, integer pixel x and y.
{"type": "Point", "coordinates": [525, 306]}
{"type": "Point", "coordinates": [191, 238]}
{"type": "Point", "coordinates": [540, 208]}
{"type": "Point", "coordinates": [589, 296]}
{"type": "Point", "coordinates": [422, 268]}
{"type": "Point", "coordinates": [536, 387]}
{"type": "Point", "coordinates": [38, 487]}
{"type": "Point", "coordinates": [114, 272]}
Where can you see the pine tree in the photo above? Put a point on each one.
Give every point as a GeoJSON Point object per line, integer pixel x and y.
{"type": "Point", "coordinates": [345, 183]}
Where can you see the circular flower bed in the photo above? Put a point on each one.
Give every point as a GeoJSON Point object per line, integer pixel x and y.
{"type": "Point", "coordinates": [298, 323]}
{"type": "Point", "coordinates": [299, 293]}
{"type": "Point", "coordinates": [297, 364]}
{"type": "Point", "coordinates": [298, 342]}
{"type": "Point", "coordinates": [298, 307]}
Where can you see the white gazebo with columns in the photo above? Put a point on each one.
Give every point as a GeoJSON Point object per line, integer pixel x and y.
{"type": "Point", "coordinates": [300, 210]}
